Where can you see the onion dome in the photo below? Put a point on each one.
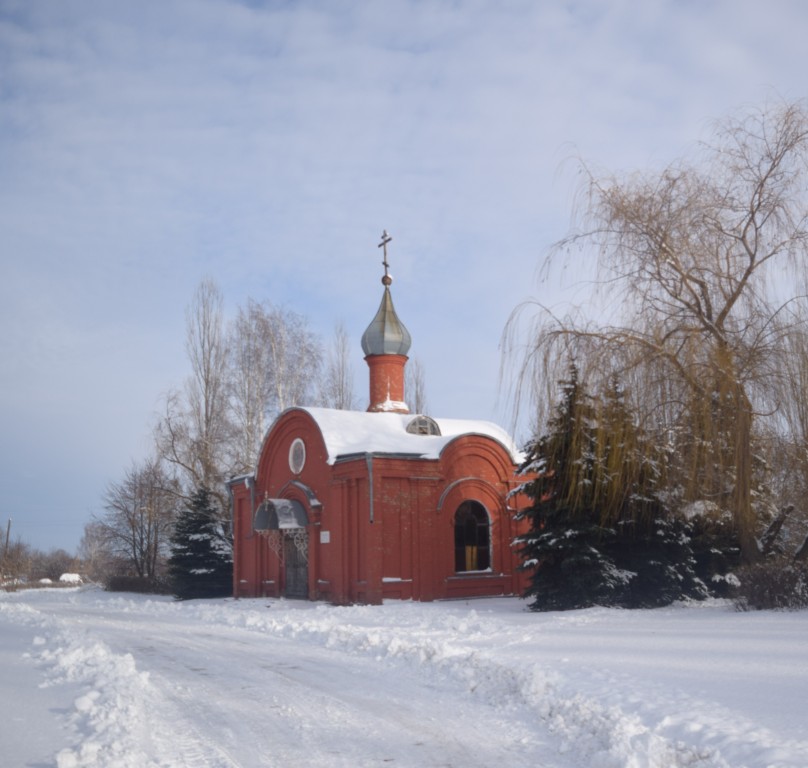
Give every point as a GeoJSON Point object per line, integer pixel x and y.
{"type": "Point", "coordinates": [386, 334]}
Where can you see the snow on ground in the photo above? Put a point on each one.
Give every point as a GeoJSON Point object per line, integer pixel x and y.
{"type": "Point", "coordinates": [89, 678]}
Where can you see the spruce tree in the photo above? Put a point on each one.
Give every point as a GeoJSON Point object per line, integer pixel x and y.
{"type": "Point", "coordinates": [650, 544]}
{"type": "Point", "coordinates": [600, 531]}
{"type": "Point", "coordinates": [565, 547]}
{"type": "Point", "coordinates": [201, 564]}
{"type": "Point", "coordinates": [716, 550]}
{"type": "Point", "coordinates": [658, 552]}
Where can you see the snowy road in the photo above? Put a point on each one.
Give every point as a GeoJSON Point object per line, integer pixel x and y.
{"type": "Point", "coordinates": [136, 682]}
{"type": "Point", "coordinates": [234, 697]}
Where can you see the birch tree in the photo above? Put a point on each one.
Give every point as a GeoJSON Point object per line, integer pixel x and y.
{"type": "Point", "coordinates": [337, 381]}
{"type": "Point", "coordinates": [295, 355]}
{"type": "Point", "coordinates": [274, 362]}
{"type": "Point", "coordinates": [249, 383]}
{"type": "Point", "coordinates": [415, 386]}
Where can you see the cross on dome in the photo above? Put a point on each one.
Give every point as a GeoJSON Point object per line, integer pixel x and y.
{"type": "Point", "coordinates": [386, 334]}
{"type": "Point", "coordinates": [386, 280]}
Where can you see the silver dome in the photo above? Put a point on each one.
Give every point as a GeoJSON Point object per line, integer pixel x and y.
{"type": "Point", "coordinates": [386, 334]}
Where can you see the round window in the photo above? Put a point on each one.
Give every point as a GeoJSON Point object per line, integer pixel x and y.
{"type": "Point", "coordinates": [297, 455]}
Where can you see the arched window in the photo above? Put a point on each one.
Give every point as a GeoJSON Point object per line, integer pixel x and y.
{"type": "Point", "coordinates": [472, 535]}
{"type": "Point", "coordinates": [423, 425]}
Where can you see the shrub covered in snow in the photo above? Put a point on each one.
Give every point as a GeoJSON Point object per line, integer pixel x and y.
{"type": "Point", "coordinates": [137, 584]}
{"type": "Point", "coordinates": [773, 584]}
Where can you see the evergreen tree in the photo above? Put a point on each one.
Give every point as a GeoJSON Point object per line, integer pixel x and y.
{"type": "Point", "coordinates": [565, 547]}
{"type": "Point", "coordinates": [659, 552]}
{"type": "Point", "coordinates": [716, 550]}
{"type": "Point", "coordinates": [650, 542]}
{"type": "Point", "coordinates": [600, 533]}
{"type": "Point", "coordinates": [200, 564]}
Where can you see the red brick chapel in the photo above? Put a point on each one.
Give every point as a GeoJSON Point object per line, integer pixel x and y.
{"type": "Point", "coordinates": [359, 507]}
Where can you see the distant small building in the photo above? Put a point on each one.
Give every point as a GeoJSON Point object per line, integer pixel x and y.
{"type": "Point", "coordinates": [350, 506]}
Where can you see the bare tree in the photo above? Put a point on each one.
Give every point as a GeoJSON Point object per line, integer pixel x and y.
{"type": "Point", "coordinates": [138, 519]}
{"type": "Point", "coordinates": [50, 565]}
{"type": "Point", "coordinates": [694, 257]}
{"type": "Point", "coordinates": [206, 389]}
{"type": "Point", "coordinates": [194, 433]}
{"type": "Point", "coordinates": [415, 386]}
{"type": "Point", "coordinates": [274, 362]}
{"type": "Point", "coordinates": [249, 382]}
{"type": "Point", "coordinates": [267, 361]}
{"type": "Point", "coordinates": [337, 383]}
{"type": "Point", "coordinates": [788, 434]}
{"type": "Point", "coordinates": [16, 562]}
{"type": "Point", "coordinates": [295, 356]}
{"type": "Point", "coordinates": [98, 560]}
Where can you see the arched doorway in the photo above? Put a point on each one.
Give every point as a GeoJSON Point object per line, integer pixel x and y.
{"type": "Point", "coordinates": [283, 522]}
{"type": "Point", "coordinates": [472, 538]}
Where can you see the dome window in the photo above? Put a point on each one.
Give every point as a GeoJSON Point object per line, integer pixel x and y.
{"type": "Point", "coordinates": [423, 425]}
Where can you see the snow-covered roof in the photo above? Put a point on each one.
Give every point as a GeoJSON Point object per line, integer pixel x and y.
{"type": "Point", "coordinates": [351, 432]}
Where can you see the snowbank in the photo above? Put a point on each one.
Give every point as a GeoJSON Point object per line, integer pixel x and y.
{"type": "Point", "coordinates": [682, 686]}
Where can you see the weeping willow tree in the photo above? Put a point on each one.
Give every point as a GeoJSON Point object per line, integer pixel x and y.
{"type": "Point", "coordinates": [704, 262]}
{"type": "Point", "coordinates": [788, 437]}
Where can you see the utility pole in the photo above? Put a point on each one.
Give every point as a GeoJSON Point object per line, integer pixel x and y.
{"type": "Point", "coordinates": [8, 536]}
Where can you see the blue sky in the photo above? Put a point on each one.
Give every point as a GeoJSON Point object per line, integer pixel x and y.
{"type": "Point", "coordinates": [144, 146]}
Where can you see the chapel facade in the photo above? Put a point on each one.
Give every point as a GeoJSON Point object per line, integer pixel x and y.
{"type": "Point", "coordinates": [358, 507]}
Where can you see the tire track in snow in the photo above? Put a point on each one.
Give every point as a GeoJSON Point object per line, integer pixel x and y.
{"type": "Point", "coordinates": [323, 709]}
{"type": "Point", "coordinates": [442, 672]}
